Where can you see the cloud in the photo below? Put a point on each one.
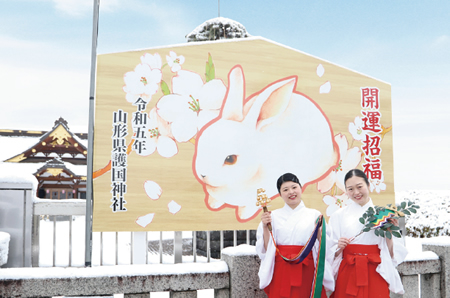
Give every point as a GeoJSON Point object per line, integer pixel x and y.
{"type": "Point", "coordinates": [172, 21]}
{"type": "Point", "coordinates": [11, 43]}
{"type": "Point", "coordinates": [441, 43]}
{"type": "Point", "coordinates": [37, 96]}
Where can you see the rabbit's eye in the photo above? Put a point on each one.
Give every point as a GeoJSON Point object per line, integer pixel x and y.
{"type": "Point", "coordinates": [230, 160]}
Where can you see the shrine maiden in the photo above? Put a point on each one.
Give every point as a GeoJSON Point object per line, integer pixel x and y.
{"type": "Point", "coordinates": [366, 265]}
{"type": "Point", "coordinates": [292, 226]}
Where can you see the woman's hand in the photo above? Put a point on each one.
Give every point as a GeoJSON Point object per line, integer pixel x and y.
{"type": "Point", "coordinates": [266, 218]}
{"type": "Point", "coordinates": [390, 242]}
{"type": "Point", "coordinates": [393, 221]}
{"type": "Point", "coordinates": [343, 242]}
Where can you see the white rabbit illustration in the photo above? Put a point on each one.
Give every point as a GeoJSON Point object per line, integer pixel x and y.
{"type": "Point", "coordinates": [252, 142]}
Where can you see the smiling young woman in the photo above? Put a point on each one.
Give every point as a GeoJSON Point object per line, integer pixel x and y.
{"type": "Point", "coordinates": [292, 227]}
{"type": "Point", "coordinates": [364, 266]}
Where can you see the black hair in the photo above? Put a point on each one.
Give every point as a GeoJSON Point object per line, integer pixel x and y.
{"type": "Point", "coordinates": [357, 173]}
{"type": "Point", "coordinates": [285, 178]}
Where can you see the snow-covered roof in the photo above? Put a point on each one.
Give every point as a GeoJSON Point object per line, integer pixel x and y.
{"type": "Point", "coordinates": [11, 146]}
{"type": "Point", "coordinates": [218, 28]}
{"type": "Point", "coordinates": [14, 172]}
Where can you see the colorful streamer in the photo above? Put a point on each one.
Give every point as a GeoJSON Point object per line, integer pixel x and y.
{"type": "Point", "coordinates": [316, 289]}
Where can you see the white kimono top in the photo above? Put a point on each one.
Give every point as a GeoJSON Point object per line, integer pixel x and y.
{"type": "Point", "coordinates": [290, 227]}
{"type": "Point", "coordinates": [345, 223]}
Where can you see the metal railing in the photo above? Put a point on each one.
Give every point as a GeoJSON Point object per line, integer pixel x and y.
{"type": "Point", "coordinates": [62, 217]}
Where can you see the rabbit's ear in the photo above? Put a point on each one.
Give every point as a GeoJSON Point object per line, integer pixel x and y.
{"type": "Point", "coordinates": [271, 103]}
{"type": "Point", "coordinates": [234, 101]}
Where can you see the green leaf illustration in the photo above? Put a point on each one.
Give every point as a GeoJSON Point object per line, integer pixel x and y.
{"type": "Point", "coordinates": [164, 88]}
{"type": "Point", "coordinates": [403, 205]}
{"type": "Point", "coordinates": [406, 212]}
{"type": "Point", "coordinates": [210, 71]}
{"type": "Point", "coordinates": [388, 234]}
{"type": "Point", "coordinates": [361, 220]}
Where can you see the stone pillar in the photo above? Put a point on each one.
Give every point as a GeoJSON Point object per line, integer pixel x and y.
{"type": "Point", "coordinates": [411, 286]}
{"type": "Point", "coordinates": [430, 285]}
{"type": "Point", "coordinates": [443, 251]}
{"type": "Point", "coordinates": [222, 293]}
{"type": "Point", "coordinates": [243, 264]}
{"type": "Point", "coordinates": [185, 294]}
{"type": "Point", "coordinates": [146, 295]}
{"type": "Point", "coordinates": [393, 295]}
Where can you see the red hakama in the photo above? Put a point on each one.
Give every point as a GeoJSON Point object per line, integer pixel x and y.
{"type": "Point", "coordinates": [358, 267]}
{"type": "Point", "coordinates": [290, 279]}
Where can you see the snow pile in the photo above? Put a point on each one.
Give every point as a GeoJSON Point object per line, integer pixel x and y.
{"type": "Point", "coordinates": [12, 172]}
{"type": "Point", "coordinates": [4, 247]}
{"type": "Point", "coordinates": [432, 219]}
{"type": "Point", "coordinates": [439, 241]}
{"type": "Point", "coordinates": [118, 270]}
{"type": "Point", "coordinates": [240, 250]}
{"type": "Point", "coordinates": [218, 28]}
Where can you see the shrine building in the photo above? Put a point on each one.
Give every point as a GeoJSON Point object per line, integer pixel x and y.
{"type": "Point", "coordinates": [57, 158]}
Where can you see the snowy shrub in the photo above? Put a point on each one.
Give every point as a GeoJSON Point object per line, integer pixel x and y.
{"type": "Point", "coordinates": [218, 28]}
{"type": "Point", "coordinates": [432, 219]}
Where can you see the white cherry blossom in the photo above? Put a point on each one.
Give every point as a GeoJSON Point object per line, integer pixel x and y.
{"type": "Point", "coordinates": [174, 61]}
{"type": "Point", "coordinates": [191, 105]}
{"type": "Point", "coordinates": [377, 184]}
{"type": "Point", "coordinates": [356, 129]}
{"type": "Point", "coordinates": [141, 83]}
{"type": "Point", "coordinates": [154, 61]}
{"type": "Point", "coordinates": [160, 138]}
{"type": "Point", "coordinates": [335, 202]}
{"type": "Point", "coordinates": [349, 159]}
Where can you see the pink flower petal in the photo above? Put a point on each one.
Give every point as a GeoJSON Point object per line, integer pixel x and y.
{"type": "Point", "coordinates": [145, 220]}
{"type": "Point", "coordinates": [174, 207]}
{"type": "Point", "coordinates": [320, 70]}
{"type": "Point", "coordinates": [325, 88]}
{"type": "Point", "coordinates": [152, 189]}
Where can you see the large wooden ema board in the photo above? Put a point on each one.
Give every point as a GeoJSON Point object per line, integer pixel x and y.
{"type": "Point", "coordinates": [207, 124]}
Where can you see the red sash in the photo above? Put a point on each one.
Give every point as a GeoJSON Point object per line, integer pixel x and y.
{"type": "Point", "coordinates": [289, 279]}
{"type": "Point", "coordinates": [357, 275]}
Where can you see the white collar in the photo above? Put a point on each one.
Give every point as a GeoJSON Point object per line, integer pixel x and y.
{"type": "Point", "coordinates": [287, 208]}
{"type": "Point", "coordinates": [358, 207]}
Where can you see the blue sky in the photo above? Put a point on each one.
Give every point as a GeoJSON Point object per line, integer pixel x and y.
{"type": "Point", "coordinates": [45, 52]}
